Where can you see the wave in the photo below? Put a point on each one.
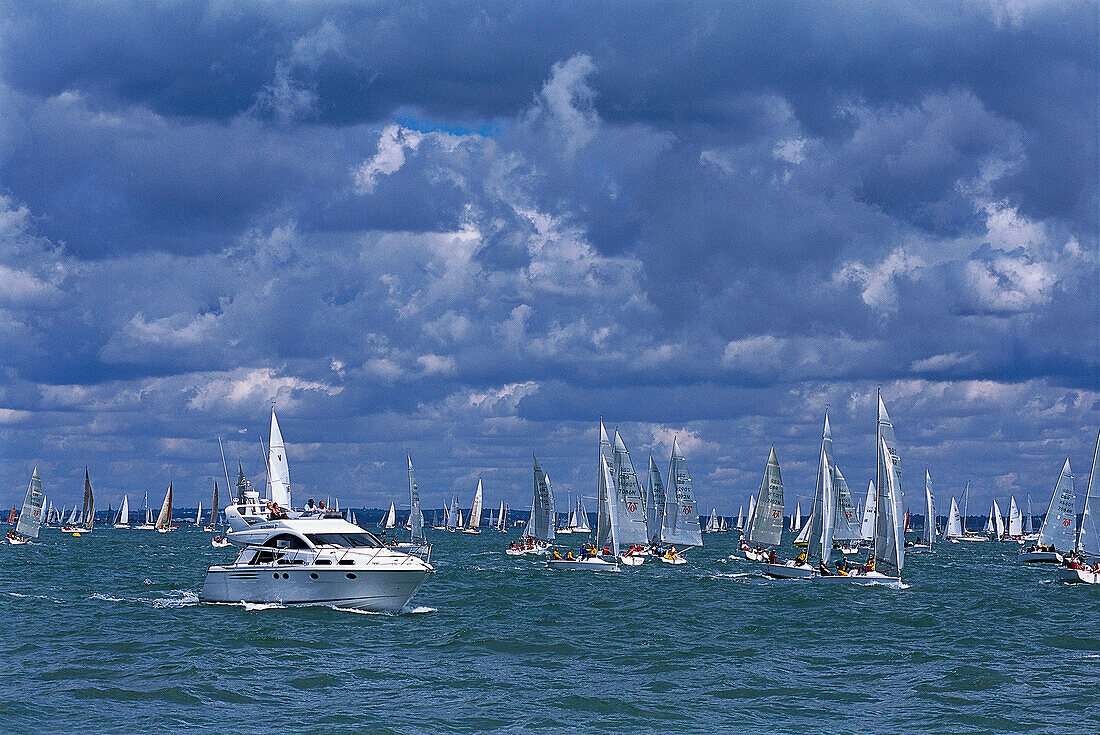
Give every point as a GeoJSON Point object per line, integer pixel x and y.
{"type": "Point", "coordinates": [186, 598]}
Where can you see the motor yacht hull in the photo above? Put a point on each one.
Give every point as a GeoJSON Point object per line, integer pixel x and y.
{"type": "Point", "coordinates": [379, 590]}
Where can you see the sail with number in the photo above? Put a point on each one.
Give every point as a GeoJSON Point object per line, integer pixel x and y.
{"type": "Point", "coordinates": [474, 520]}
{"type": "Point", "coordinates": [30, 517]}
{"type": "Point", "coordinates": [1059, 525]}
{"type": "Point", "coordinates": [867, 528]}
{"type": "Point", "coordinates": [680, 518]}
{"type": "Point", "coordinates": [87, 512]}
{"type": "Point", "coordinates": [766, 525]}
{"type": "Point", "coordinates": [628, 494]}
{"type": "Point", "coordinates": [1088, 539]}
{"type": "Point", "coordinates": [416, 516]}
{"type": "Point", "coordinates": [164, 519]}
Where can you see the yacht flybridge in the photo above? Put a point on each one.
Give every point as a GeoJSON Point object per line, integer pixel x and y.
{"type": "Point", "coordinates": [308, 558]}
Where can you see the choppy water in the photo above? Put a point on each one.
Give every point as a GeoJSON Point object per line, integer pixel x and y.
{"type": "Point", "coordinates": [105, 634]}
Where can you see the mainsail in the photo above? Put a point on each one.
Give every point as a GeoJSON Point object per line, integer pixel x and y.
{"type": "Point", "coordinates": [278, 471]}
{"type": "Point", "coordinates": [30, 517]}
{"type": "Point", "coordinates": [766, 524]}
{"type": "Point", "coordinates": [929, 511]}
{"type": "Point", "coordinates": [748, 519]}
{"type": "Point", "coordinates": [390, 519]}
{"type": "Point", "coordinates": [214, 509]}
{"type": "Point", "coordinates": [87, 513]}
{"type": "Point", "coordinates": [164, 520]}
{"type": "Point", "coordinates": [607, 515]}
{"type": "Point", "coordinates": [1088, 540]}
{"type": "Point", "coordinates": [416, 517]}
{"type": "Point", "coordinates": [541, 526]}
{"type": "Point", "coordinates": [1061, 518]}
{"type": "Point", "coordinates": [998, 521]}
{"type": "Point", "coordinates": [890, 504]}
{"type": "Point", "coordinates": [123, 513]}
{"type": "Point", "coordinates": [954, 522]}
{"type": "Point", "coordinates": [828, 507]}
{"type": "Point", "coordinates": [656, 497]}
{"type": "Point", "coordinates": [1029, 526]}
{"type": "Point", "coordinates": [867, 528]}
{"type": "Point", "coordinates": [474, 520]}
{"type": "Point", "coordinates": [198, 514]}
{"type": "Point", "coordinates": [680, 518]}
{"type": "Point", "coordinates": [1015, 519]}
{"type": "Point", "coordinates": [628, 494]}
{"type": "Point", "coordinates": [740, 518]}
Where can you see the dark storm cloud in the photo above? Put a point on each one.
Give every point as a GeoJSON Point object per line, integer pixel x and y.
{"type": "Point", "coordinates": [468, 229]}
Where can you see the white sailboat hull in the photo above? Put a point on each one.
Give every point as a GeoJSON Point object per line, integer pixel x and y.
{"type": "Point", "coordinates": [345, 586]}
{"type": "Point", "coordinates": [1078, 576]}
{"type": "Point", "coordinates": [858, 578]}
{"type": "Point", "coordinates": [593, 563]}
{"type": "Point", "coordinates": [676, 560]}
{"type": "Point", "coordinates": [748, 554]}
{"type": "Point", "coordinates": [472, 531]}
{"type": "Point", "coordinates": [788, 571]}
{"type": "Point", "coordinates": [958, 539]}
{"type": "Point", "coordinates": [16, 541]}
{"type": "Point", "coordinates": [632, 560]}
{"type": "Point", "coordinates": [1043, 557]}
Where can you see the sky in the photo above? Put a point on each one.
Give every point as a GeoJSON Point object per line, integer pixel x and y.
{"type": "Point", "coordinates": [467, 230]}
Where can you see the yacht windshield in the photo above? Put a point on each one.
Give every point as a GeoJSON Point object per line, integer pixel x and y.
{"type": "Point", "coordinates": [344, 540]}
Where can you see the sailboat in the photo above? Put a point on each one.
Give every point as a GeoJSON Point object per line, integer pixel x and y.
{"type": "Point", "coordinates": [954, 531]}
{"type": "Point", "coordinates": [606, 529]}
{"type": "Point", "coordinates": [740, 525]}
{"type": "Point", "coordinates": [680, 517]}
{"type": "Point", "coordinates": [796, 519]}
{"type": "Point", "coordinates": [967, 535]}
{"type": "Point", "coordinates": [86, 520]}
{"type": "Point", "coordinates": [1015, 520]}
{"type": "Point", "coordinates": [1088, 537]}
{"type": "Point", "coordinates": [1029, 524]}
{"type": "Point", "coordinates": [579, 522]}
{"type": "Point", "coordinates": [147, 513]}
{"type": "Point", "coordinates": [30, 516]}
{"type": "Point", "coordinates": [198, 514]}
{"type": "Point", "coordinates": [123, 518]}
{"type": "Point", "coordinates": [867, 526]}
{"type": "Point", "coordinates": [713, 524]}
{"type": "Point", "coordinates": [389, 520]}
{"type": "Point", "coordinates": [630, 502]}
{"type": "Point", "coordinates": [988, 527]}
{"type": "Point", "coordinates": [473, 524]}
{"type": "Point", "coordinates": [539, 531]}
{"type": "Point", "coordinates": [928, 533]}
{"type": "Point", "coordinates": [748, 519]}
{"type": "Point", "coordinates": [998, 523]}
{"type": "Point", "coordinates": [213, 511]}
{"type": "Point", "coordinates": [766, 524]}
{"type": "Point", "coordinates": [1056, 535]}
{"type": "Point", "coordinates": [416, 516]}
{"type": "Point", "coordinates": [164, 518]}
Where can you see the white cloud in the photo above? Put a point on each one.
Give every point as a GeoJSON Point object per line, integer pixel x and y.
{"type": "Point", "coordinates": [566, 105]}
{"type": "Point", "coordinates": [392, 145]}
{"type": "Point", "coordinates": [944, 361]}
{"type": "Point", "coordinates": [877, 281]}
{"type": "Point", "coordinates": [1008, 284]}
{"type": "Point", "coordinates": [19, 287]}
{"type": "Point", "coordinates": [253, 385]}
{"type": "Point", "coordinates": [436, 364]}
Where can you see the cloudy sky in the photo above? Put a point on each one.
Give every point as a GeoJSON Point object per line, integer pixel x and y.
{"type": "Point", "coordinates": [469, 229]}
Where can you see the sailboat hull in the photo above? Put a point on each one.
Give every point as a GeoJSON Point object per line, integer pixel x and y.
{"type": "Point", "coordinates": [632, 560]}
{"type": "Point", "coordinates": [1078, 576]}
{"type": "Point", "coordinates": [785, 571]}
{"type": "Point", "coordinates": [1040, 557]}
{"type": "Point", "coordinates": [868, 578]}
{"type": "Point", "coordinates": [472, 531]}
{"type": "Point", "coordinates": [355, 588]}
{"type": "Point", "coordinates": [592, 563]}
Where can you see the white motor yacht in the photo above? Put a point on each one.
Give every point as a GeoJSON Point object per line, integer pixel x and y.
{"type": "Point", "coordinates": [312, 560]}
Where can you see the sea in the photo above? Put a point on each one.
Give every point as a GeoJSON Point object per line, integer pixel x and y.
{"type": "Point", "coordinates": [106, 634]}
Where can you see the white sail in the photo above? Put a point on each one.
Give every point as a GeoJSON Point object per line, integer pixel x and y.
{"type": "Point", "coordinates": [416, 516]}
{"type": "Point", "coordinates": [543, 513]}
{"type": "Point", "coordinates": [72, 516]}
{"type": "Point", "coordinates": [929, 511]}
{"type": "Point", "coordinates": [278, 471]}
{"type": "Point", "coordinates": [390, 520]}
{"type": "Point", "coordinates": [890, 524]}
{"type": "Point", "coordinates": [680, 517]}
{"type": "Point", "coordinates": [1029, 519]}
{"type": "Point", "coordinates": [30, 516]}
{"type": "Point", "coordinates": [796, 519]}
{"type": "Point", "coordinates": [748, 519]}
{"type": "Point", "coordinates": [1058, 529]}
{"type": "Point", "coordinates": [582, 517]}
{"type": "Point", "coordinates": [954, 522]}
{"type": "Point", "coordinates": [998, 521]}
{"type": "Point", "coordinates": [713, 524]}
{"type": "Point", "coordinates": [124, 513]}
{"type": "Point", "coordinates": [803, 536]}
{"type": "Point", "coordinates": [607, 515]}
{"type": "Point", "coordinates": [198, 515]}
{"type": "Point", "coordinates": [966, 503]}
{"type": "Point", "coordinates": [628, 494]}
{"type": "Point", "coordinates": [475, 511]}
{"type": "Point", "coordinates": [828, 506]}
{"type": "Point", "coordinates": [988, 528]}
{"type": "Point", "coordinates": [740, 518]}
{"type": "Point", "coordinates": [1015, 519]}
{"type": "Point", "coordinates": [867, 528]}
{"type": "Point", "coordinates": [1088, 540]}
{"type": "Point", "coordinates": [767, 523]}
{"type": "Point", "coordinates": [164, 519]}
{"type": "Point", "coordinates": [656, 496]}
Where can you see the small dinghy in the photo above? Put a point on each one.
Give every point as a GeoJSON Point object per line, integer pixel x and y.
{"type": "Point", "coordinates": [219, 542]}
{"type": "Point", "coordinates": [675, 559]}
